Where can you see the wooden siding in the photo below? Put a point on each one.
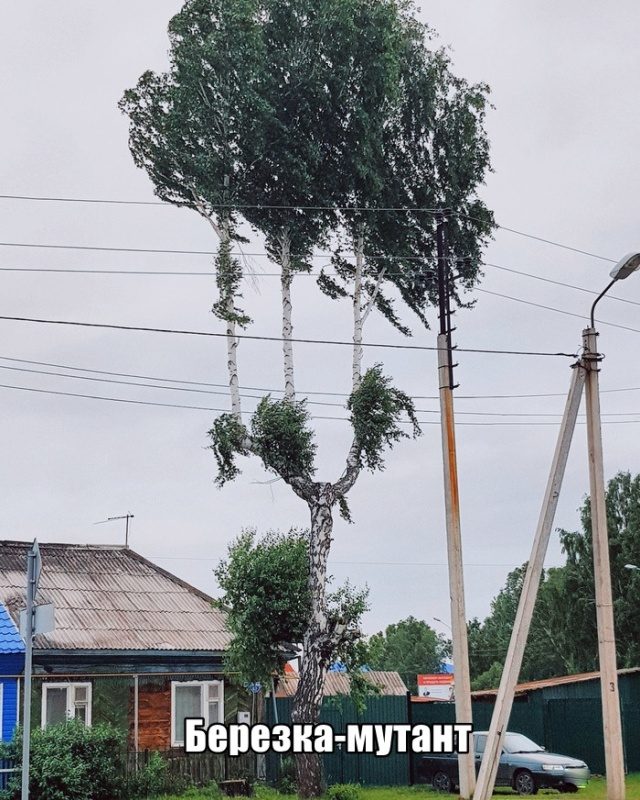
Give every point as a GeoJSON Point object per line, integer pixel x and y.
{"type": "Point", "coordinates": [154, 716]}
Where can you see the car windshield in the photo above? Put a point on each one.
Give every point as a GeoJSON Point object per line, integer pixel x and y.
{"type": "Point", "coordinates": [517, 743]}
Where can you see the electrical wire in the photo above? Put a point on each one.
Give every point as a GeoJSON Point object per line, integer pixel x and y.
{"type": "Point", "coordinates": [266, 390]}
{"type": "Point", "coordinates": [556, 310]}
{"type": "Point", "coordinates": [259, 397]}
{"type": "Point", "coordinates": [313, 417]}
{"type": "Point", "coordinates": [402, 209]}
{"type": "Point", "coordinates": [384, 345]}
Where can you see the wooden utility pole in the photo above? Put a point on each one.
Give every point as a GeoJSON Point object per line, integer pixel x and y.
{"type": "Point", "coordinates": [613, 748]}
{"type": "Point", "coordinates": [466, 762]}
{"type": "Point", "coordinates": [524, 615]}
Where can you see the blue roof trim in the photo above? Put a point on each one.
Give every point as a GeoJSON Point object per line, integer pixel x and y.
{"type": "Point", "coordinates": [10, 639]}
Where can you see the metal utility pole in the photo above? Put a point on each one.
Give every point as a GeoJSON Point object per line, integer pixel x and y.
{"type": "Point", "coordinates": [613, 748]}
{"type": "Point", "coordinates": [33, 574]}
{"type": "Point", "coordinates": [524, 615]}
{"type": "Point", "coordinates": [466, 763]}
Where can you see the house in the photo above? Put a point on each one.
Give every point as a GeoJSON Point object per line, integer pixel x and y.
{"type": "Point", "coordinates": [133, 645]}
{"type": "Point", "coordinates": [11, 665]}
{"type": "Point", "coordinates": [389, 684]}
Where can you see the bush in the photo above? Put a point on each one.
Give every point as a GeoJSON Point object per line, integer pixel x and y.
{"type": "Point", "coordinates": [286, 783]}
{"type": "Point", "coordinates": [70, 762]}
{"type": "Point", "coordinates": [343, 791]}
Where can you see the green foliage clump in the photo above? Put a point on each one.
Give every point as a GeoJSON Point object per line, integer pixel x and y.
{"type": "Point", "coordinates": [228, 437]}
{"type": "Point", "coordinates": [154, 779]}
{"type": "Point", "coordinates": [70, 762]}
{"type": "Point", "coordinates": [409, 647]}
{"type": "Point", "coordinates": [282, 439]}
{"type": "Point", "coordinates": [343, 791]}
{"type": "Point", "coordinates": [286, 783]}
{"type": "Point", "coordinates": [228, 278]}
{"type": "Point", "coordinates": [266, 596]}
{"type": "Point", "coordinates": [376, 408]}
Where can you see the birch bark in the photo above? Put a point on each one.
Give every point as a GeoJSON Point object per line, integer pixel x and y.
{"type": "Point", "coordinates": [287, 325]}
{"type": "Point", "coordinates": [316, 646]}
{"type": "Point", "coordinates": [357, 314]}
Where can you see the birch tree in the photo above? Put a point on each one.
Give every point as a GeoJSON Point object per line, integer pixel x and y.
{"type": "Point", "coordinates": [297, 115]}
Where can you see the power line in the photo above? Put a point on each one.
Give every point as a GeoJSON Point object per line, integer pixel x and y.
{"type": "Point", "coordinates": [256, 275]}
{"type": "Point", "coordinates": [189, 389]}
{"type": "Point", "coordinates": [558, 283]}
{"type": "Point", "coordinates": [313, 417]}
{"type": "Point", "coordinates": [556, 310]}
{"type": "Point", "coordinates": [368, 209]}
{"type": "Point", "coordinates": [164, 379]}
{"type": "Point", "coordinates": [384, 345]}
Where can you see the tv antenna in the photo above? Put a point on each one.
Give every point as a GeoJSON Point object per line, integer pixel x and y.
{"type": "Point", "coordinates": [126, 517]}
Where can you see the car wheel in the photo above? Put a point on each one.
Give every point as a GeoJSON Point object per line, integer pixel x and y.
{"type": "Point", "coordinates": [524, 783]}
{"type": "Point", "coordinates": [441, 782]}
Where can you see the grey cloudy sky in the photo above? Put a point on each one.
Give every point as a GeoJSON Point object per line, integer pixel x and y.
{"type": "Point", "coordinates": [565, 84]}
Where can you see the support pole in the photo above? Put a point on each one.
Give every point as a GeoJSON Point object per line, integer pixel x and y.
{"type": "Point", "coordinates": [613, 748]}
{"type": "Point", "coordinates": [466, 763]}
{"type": "Point", "coordinates": [511, 670]}
{"type": "Point", "coordinates": [28, 660]}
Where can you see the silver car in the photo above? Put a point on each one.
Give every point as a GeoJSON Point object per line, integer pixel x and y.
{"type": "Point", "coordinates": [524, 766]}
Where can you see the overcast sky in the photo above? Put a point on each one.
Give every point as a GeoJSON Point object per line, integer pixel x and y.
{"type": "Point", "coordinates": [564, 132]}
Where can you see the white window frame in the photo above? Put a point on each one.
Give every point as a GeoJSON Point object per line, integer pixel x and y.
{"type": "Point", "coordinates": [70, 687]}
{"type": "Point", "coordinates": [204, 705]}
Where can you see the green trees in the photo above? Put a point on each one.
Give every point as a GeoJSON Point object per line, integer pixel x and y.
{"type": "Point", "coordinates": [409, 647]}
{"type": "Point", "coordinates": [265, 586]}
{"type": "Point", "coordinates": [563, 638]}
{"type": "Point", "coordinates": [306, 119]}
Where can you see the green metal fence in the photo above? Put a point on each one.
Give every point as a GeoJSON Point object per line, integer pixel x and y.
{"type": "Point", "coordinates": [571, 726]}
{"type": "Point", "coordinates": [342, 767]}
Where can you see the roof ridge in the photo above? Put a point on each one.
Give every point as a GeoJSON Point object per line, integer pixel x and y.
{"type": "Point", "coordinates": [74, 545]}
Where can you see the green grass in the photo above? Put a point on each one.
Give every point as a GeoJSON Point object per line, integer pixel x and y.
{"type": "Point", "coordinates": [596, 790]}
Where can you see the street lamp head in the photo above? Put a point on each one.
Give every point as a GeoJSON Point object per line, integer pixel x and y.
{"type": "Point", "coordinates": [631, 566]}
{"type": "Point", "coordinates": [627, 264]}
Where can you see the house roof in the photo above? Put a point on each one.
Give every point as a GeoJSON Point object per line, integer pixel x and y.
{"type": "Point", "coordinates": [532, 686]}
{"type": "Point", "coordinates": [111, 598]}
{"type": "Point", "coordinates": [336, 683]}
{"type": "Point", "coordinates": [10, 640]}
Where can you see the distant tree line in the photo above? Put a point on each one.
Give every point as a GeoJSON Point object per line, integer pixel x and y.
{"type": "Point", "coordinates": [563, 639]}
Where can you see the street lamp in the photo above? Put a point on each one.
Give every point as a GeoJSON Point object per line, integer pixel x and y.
{"type": "Point", "coordinates": [585, 375]}
{"type": "Point", "coordinates": [631, 566]}
{"type": "Point", "coordinates": [614, 755]}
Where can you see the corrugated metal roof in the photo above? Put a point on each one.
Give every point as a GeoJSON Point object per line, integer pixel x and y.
{"type": "Point", "coordinates": [336, 683]}
{"type": "Point", "coordinates": [111, 598]}
{"type": "Point", "coordinates": [532, 686]}
{"type": "Point", "coordinates": [10, 640]}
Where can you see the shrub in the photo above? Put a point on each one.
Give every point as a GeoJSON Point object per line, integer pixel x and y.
{"type": "Point", "coordinates": [343, 791]}
{"type": "Point", "coordinates": [286, 783]}
{"type": "Point", "coordinates": [70, 762]}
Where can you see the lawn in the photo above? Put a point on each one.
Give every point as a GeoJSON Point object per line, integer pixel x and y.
{"type": "Point", "coordinates": [595, 791]}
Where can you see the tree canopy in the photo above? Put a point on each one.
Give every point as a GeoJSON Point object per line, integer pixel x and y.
{"type": "Point", "coordinates": [409, 647]}
{"type": "Point", "coordinates": [563, 638]}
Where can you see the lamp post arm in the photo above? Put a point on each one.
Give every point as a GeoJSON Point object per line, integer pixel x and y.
{"type": "Point", "coordinates": [598, 299]}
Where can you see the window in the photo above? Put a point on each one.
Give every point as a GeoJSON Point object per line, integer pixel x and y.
{"type": "Point", "coordinates": [195, 699]}
{"type": "Point", "coordinates": [65, 701]}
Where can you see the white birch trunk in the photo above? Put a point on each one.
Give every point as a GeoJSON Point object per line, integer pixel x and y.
{"type": "Point", "coordinates": [232, 366]}
{"type": "Point", "coordinates": [287, 325]}
{"type": "Point", "coordinates": [232, 342]}
{"type": "Point", "coordinates": [316, 646]}
{"type": "Point", "coordinates": [357, 315]}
